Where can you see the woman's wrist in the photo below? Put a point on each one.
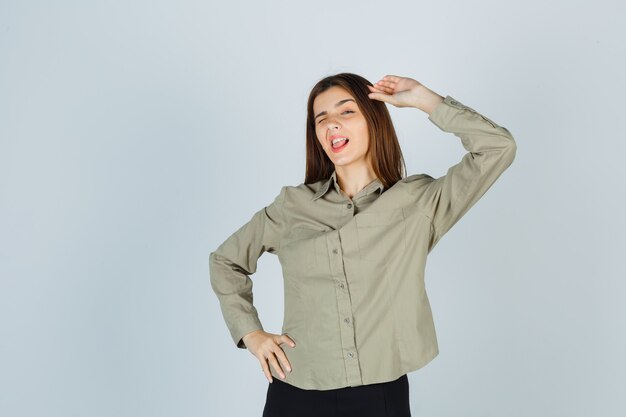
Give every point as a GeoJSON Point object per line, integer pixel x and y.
{"type": "Point", "coordinates": [426, 99]}
{"type": "Point", "coordinates": [247, 335]}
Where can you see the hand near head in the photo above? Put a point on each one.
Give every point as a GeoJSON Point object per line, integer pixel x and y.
{"type": "Point", "coordinates": [404, 92]}
{"type": "Point", "coordinates": [266, 347]}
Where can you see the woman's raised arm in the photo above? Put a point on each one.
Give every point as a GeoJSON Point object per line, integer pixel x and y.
{"type": "Point", "coordinates": [491, 150]}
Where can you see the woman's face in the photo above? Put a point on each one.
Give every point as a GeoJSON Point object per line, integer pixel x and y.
{"type": "Point", "coordinates": [336, 116]}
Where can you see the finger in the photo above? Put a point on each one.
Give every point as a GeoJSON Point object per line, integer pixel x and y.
{"type": "Point", "coordinates": [266, 369]}
{"type": "Point", "coordinates": [380, 83]}
{"type": "Point", "coordinates": [379, 96]}
{"type": "Point", "coordinates": [288, 340]}
{"type": "Point", "coordinates": [275, 364]}
{"type": "Point", "coordinates": [379, 92]}
{"type": "Point", "coordinates": [386, 87]}
{"type": "Point", "coordinates": [393, 78]}
{"type": "Point", "coordinates": [387, 81]}
{"type": "Point", "coordinates": [283, 358]}
{"type": "Point", "coordinates": [374, 89]}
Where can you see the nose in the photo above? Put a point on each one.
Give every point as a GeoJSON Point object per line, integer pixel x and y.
{"type": "Point", "coordinates": [332, 125]}
{"type": "Point", "coordinates": [332, 121]}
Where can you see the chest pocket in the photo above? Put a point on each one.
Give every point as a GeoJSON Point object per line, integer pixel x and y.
{"type": "Point", "coordinates": [302, 248]}
{"type": "Point", "coordinates": [381, 234]}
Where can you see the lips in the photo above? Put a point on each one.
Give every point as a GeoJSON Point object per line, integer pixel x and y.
{"type": "Point", "coordinates": [341, 147]}
{"type": "Point", "coordinates": [333, 137]}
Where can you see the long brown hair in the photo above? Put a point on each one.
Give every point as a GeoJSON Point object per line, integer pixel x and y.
{"type": "Point", "coordinates": [384, 150]}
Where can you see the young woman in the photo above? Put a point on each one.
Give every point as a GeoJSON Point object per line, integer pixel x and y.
{"type": "Point", "coordinates": [352, 241]}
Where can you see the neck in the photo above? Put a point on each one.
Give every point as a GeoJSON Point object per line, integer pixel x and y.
{"type": "Point", "coordinates": [352, 179]}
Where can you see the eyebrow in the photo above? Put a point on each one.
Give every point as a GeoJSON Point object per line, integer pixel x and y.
{"type": "Point", "coordinates": [339, 103]}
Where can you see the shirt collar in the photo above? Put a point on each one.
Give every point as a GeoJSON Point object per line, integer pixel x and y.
{"type": "Point", "coordinates": [375, 185]}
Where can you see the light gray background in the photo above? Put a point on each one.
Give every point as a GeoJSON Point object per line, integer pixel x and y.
{"type": "Point", "coordinates": [136, 136]}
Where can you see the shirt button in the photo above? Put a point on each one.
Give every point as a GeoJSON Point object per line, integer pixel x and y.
{"type": "Point", "coordinates": [350, 354]}
{"type": "Point", "coordinates": [347, 320]}
{"type": "Point", "coordinates": [453, 102]}
{"type": "Point", "coordinates": [349, 205]}
{"type": "Point", "coordinates": [341, 285]}
{"type": "Point", "coordinates": [334, 250]}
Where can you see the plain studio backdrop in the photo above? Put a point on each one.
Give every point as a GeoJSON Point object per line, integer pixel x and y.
{"type": "Point", "coordinates": [136, 136]}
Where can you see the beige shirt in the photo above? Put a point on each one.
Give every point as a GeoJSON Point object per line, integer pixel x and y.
{"type": "Point", "coordinates": [353, 268]}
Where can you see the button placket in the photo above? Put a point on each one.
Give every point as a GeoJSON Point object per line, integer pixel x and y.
{"type": "Point", "coordinates": [350, 207]}
{"type": "Point", "coordinates": [341, 284]}
{"type": "Point", "coordinates": [344, 310]}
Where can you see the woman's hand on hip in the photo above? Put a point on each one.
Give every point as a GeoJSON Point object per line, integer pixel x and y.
{"type": "Point", "coordinates": [404, 92]}
{"type": "Point", "coordinates": [266, 347]}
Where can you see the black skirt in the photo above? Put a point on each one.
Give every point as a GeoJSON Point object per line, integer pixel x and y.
{"type": "Point", "coordinates": [387, 399]}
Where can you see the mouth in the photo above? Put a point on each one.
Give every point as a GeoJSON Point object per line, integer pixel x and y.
{"type": "Point", "coordinates": [338, 144]}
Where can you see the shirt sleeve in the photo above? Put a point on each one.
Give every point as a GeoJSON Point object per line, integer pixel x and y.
{"type": "Point", "coordinates": [491, 150]}
{"type": "Point", "coordinates": [232, 263]}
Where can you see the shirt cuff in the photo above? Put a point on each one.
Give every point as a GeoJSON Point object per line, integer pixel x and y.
{"type": "Point", "coordinates": [244, 327]}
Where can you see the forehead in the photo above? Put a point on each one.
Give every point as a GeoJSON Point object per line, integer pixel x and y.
{"type": "Point", "coordinates": [328, 99]}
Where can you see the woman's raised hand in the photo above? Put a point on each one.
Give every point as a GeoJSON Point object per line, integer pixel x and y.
{"type": "Point", "coordinates": [266, 347]}
{"type": "Point", "coordinates": [404, 92]}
